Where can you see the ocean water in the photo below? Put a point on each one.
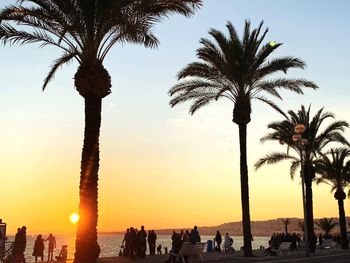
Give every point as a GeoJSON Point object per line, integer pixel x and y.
{"type": "Point", "coordinates": [110, 244]}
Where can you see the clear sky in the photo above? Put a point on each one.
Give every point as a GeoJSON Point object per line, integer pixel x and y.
{"type": "Point", "coordinates": [162, 167]}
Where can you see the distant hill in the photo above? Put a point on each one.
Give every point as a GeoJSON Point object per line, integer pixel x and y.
{"type": "Point", "coordinates": [259, 228]}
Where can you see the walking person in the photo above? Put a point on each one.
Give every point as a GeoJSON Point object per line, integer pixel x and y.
{"type": "Point", "coordinates": [52, 246]}
{"type": "Point", "coordinates": [38, 250]}
{"type": "Point", "coordinates": [126, 241]}
{"type": "Point", "coordinates": [218, 240]}
{"type": "Point", "coordinates": [133, 242]}
{"type": "Point", "coordinates": [227, 242]}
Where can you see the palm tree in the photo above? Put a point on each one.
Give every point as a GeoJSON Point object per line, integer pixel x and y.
{"type": "Point", "coordinates": [301, 226]}
{"type": "Point", "coordinates": [336, 173]}
{"type": "Point", "coordinates": [286, 222]}
{"type": "Point", "coordinates": [238, 70]}
{"type": "Point", "coordinates": [317, 141]}
{"type": "Point", "coordinates": [326, 225]}
{"type": "Point", "coordinates": [85, 30]}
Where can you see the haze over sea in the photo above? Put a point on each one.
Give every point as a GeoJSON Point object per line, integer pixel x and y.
{"type": "Point", "coordinates": [110, 244]}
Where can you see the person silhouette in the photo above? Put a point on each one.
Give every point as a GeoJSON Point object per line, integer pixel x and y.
{"type": "Point", "coordinates": [141, 236]}
{"type": "Point", "coordinates": [62, 257]}
{"type": "Point", "coordinates": [218, 240]}
{"type": "Point", "coordinates": [194, 235]}
{"type": "Point", "coordinates": [38, 250]}
{"type": "Point", "coordinates": [20, 245]}
{"type": "Point", "coordinates": [52, 246]}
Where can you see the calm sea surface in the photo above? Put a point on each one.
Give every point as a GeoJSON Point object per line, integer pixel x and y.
{"type": "Point", "coordinates": [110, 244]}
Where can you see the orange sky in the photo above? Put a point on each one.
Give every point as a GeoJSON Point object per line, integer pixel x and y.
{"type": "Point", "coordinates": [185, 176]}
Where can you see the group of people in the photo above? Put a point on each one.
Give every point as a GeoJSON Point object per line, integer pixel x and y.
{"type": "Point", "coordinates": [296, 240]}
{"type": "Point", "coordinates": [228, 242]}
{"type": "Point", "coordinates": [134, 242]}
{"type": "Point", "coordinates": [179, 238]}
{"type": "Point", "coordinates": [39, 248]}
{"type": "Point", "coordinates": [20, 244]}
{"type": "Point", "coordinates": [277, 238]}
{"type": "Point", "coordinates": [336, 238]}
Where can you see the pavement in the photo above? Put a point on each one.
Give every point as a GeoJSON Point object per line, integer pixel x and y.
{"type": "Point", "coordinates": [321, 256]}
{"type": "Point", "coordinates": [324, 256]}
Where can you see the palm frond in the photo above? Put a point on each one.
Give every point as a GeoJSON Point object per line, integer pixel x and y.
{"type": "Point", "coordinates": [273, 158]}
{"type": "Point", "coordinates": [64, 59]}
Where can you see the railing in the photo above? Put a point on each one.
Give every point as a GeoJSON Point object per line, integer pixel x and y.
{"type": "Point", "coordinates": [7, 253]}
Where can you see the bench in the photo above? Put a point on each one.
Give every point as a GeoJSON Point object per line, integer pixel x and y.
{"type": "Point", "coordinates": [283, 249]}
{"type": "Point", "coordinates": [190, 250]}
{"type": "Point", "coordinates": [328, 243]}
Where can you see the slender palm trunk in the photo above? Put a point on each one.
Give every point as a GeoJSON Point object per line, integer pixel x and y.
{"type": "Point", "coordinates": [309, 211]}
{"type": "Point", "coordinates": [87, 249]}
{"type": "Point", "coordinates": [286, 228]}
{"type": "Point", "coordinates": [342, 223]}
{"type": "Point", "coordinates": [247, 235]}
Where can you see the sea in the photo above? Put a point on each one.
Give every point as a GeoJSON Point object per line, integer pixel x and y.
{"type": "Point", "coordinates": [111, 244]}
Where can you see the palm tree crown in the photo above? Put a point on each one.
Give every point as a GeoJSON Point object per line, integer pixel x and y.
{"type": "Point", "coordinates": [318, 139]}
{"type": "Point", "coordinates": [326, 224]}
{"type": "Point", "coordinates": [87, 29]}
{"type": "Point", "coordinates": [335, 171]}
{"type": "Point", "coordinates": [286, 222]}
{"type": "Point", "coordinates": [236, 69]}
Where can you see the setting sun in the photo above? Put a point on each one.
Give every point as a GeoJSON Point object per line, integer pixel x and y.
{"type": "Point", "coordinates": [74, 218]}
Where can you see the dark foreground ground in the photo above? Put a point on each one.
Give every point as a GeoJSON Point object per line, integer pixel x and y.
{"type": "Point", "coordinates": [319, 257]}
{"type": "Point", "coordinates": [322, 256]}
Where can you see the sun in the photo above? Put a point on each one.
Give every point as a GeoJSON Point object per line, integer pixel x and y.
{"type": "Point", "coordinates": [74, 218]}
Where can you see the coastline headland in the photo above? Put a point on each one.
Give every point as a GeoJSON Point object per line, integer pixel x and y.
{"type": "Point", "coordinates": [263, 228]}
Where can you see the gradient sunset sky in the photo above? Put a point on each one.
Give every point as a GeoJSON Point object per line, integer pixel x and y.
{"type": "Point", "coordinates": [161, 167]}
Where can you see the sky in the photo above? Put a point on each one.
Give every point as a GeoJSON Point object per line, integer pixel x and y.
{"type": "Point", "coordinates": [161, 167]}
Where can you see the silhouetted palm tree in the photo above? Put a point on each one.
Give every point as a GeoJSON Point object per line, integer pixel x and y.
{"type": "Point", "coordinates": [317, 141]}
{"type": "Point", "coordinates": [326, 225]}
{"type": "Point", "coordinates": [336, 173]}
{"type": "Point", "coordinates": [86, 30]}
{"type": "Point", "coordinates": [286, 222]}
{"type": "Point", "coordinates": [301, 226]}
{"type": "Point", "coordinates": [238, 70]}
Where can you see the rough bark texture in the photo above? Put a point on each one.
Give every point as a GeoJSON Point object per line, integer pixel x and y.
{"type": "Point", "coordinates": [90, 74]}
{"type": "Point", "coordinates": [340, 196]}
{"type": "Point", "coordinates": [309, 209]}
{"type": "Point", "coordinates": [86, 246]}
{"type": "Point", "coordinates": [247, 234]}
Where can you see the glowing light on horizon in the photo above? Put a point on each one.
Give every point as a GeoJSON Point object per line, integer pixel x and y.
{"type": "Point", "coordinates": [74, 218]}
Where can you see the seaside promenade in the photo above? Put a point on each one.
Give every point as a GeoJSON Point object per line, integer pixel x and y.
{"type": "Point", "coordinates": [320, 257]}
{"type": "Point", "coordinates": [323, 256]}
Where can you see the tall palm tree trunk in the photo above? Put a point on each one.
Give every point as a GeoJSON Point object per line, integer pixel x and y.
{"type": "Point", "coordinates": [342, 223]}
{"type": "Point", "coordinates": [87, 249]}
{"type": "Point", "coordinates": [247, 235]}
{"type": "Point", "coordinates": [309, 211]}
